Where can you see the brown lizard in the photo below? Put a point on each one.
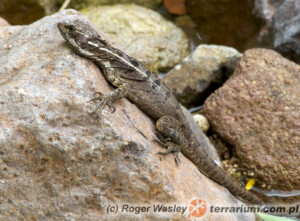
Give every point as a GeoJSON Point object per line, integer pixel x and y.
{"type": "Point", "coordinates": [137, 83]}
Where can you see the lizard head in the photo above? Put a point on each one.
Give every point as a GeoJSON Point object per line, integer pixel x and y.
{"type": "Point", "coordinates": [78, 33]}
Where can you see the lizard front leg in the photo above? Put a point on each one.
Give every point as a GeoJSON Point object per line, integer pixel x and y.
{"type": "Point", "coordinates": [121, 91]}
{"type": "Point", "coordinates": [168, 127]}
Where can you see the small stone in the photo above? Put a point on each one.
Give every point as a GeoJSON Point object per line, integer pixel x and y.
{"type": "Point", "coordinates": [200, 72]}
{"type": "Point", "coordinates": [3, 22]}
{"type": "Point", "coordinates": [202, 121]}
{"type": "Point", "coordinates": [176, 7]}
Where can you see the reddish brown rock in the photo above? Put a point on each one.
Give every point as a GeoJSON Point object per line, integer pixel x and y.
{"type": "Point", "coordinates": [257, 111]}
{"type": "Point", "coordinates": [176, 7]}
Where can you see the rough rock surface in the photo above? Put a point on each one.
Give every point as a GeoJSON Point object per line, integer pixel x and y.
{"type": "Point", "coordinates": [142, 33]}
{"type": "Point", "coordinates": [257, 111]}
{"type": "Point", "coordinates": [201, 72]}
{"type": "Point", "coordinates": [59, 163]}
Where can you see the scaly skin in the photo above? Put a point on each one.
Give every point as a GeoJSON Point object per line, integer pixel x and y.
{"type": "Point", "coordinates": [137, 83]}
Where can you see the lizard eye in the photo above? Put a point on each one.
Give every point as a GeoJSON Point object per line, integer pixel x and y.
{"type": "Point", "coordinates": [71, 28]}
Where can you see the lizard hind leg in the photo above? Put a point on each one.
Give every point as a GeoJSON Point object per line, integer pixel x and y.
{"type": "Point", "coordinates": [170, 146]}
{"type": "Point", "coordinates": [168, 127]}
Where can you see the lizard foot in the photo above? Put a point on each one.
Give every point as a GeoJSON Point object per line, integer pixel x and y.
{"type": "Point", "coordinates": [159, 138]}
{"type": "Point", "coordinates": [169, 145]}
{"type": "Point", "coordinates": [172, 148]}
{"type": "Point", "coordinates": [104, 100]}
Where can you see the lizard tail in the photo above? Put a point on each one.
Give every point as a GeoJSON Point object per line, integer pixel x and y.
{"type": "Point", "coordinates": [213, 171]}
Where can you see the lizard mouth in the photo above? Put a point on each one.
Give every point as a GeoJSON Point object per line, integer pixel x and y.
{"type": "Point", "coordinates": [61, 25]}
{"type": "Point", "coordinates": [63, 29]}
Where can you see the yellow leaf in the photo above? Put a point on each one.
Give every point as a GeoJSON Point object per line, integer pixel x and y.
{"type": "Point", "coordinates": [250, 184]}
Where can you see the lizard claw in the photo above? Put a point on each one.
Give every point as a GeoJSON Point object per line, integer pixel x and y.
{"type": "Point", "coordinates": [159, 136]}
{"type": "Point", "coordinates": [176, 157]}
{"type": "Point", "coordinates": [97, 98]}
{"type": "Point", "coordinates": [104, 100]}
{"type": "Point", "coordinates": [111, 107]}
{"type": "Point", "coordinates": [172, 148]}
{"type": "Point", "coordinates": [160, 142]}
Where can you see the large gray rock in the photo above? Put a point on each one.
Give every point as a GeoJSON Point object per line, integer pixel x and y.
{"type": "Point", "coordinates": [282, 25]}
{"type": "Point", "coordinates": [286, 25]}
{"type": "Point", "coordinates": [59, 163]}
{"type": "Point", "coordinates": [142, 33]}
{"type": "Point", "coordinates": [201, 72]}
{"type": "Point", "coordinates": [265, 9]}
{"type": "Point", "coordinates": [257, 112]}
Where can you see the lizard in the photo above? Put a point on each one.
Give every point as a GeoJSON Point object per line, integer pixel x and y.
{"type": "Point", "coordinates": [135, 81]}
